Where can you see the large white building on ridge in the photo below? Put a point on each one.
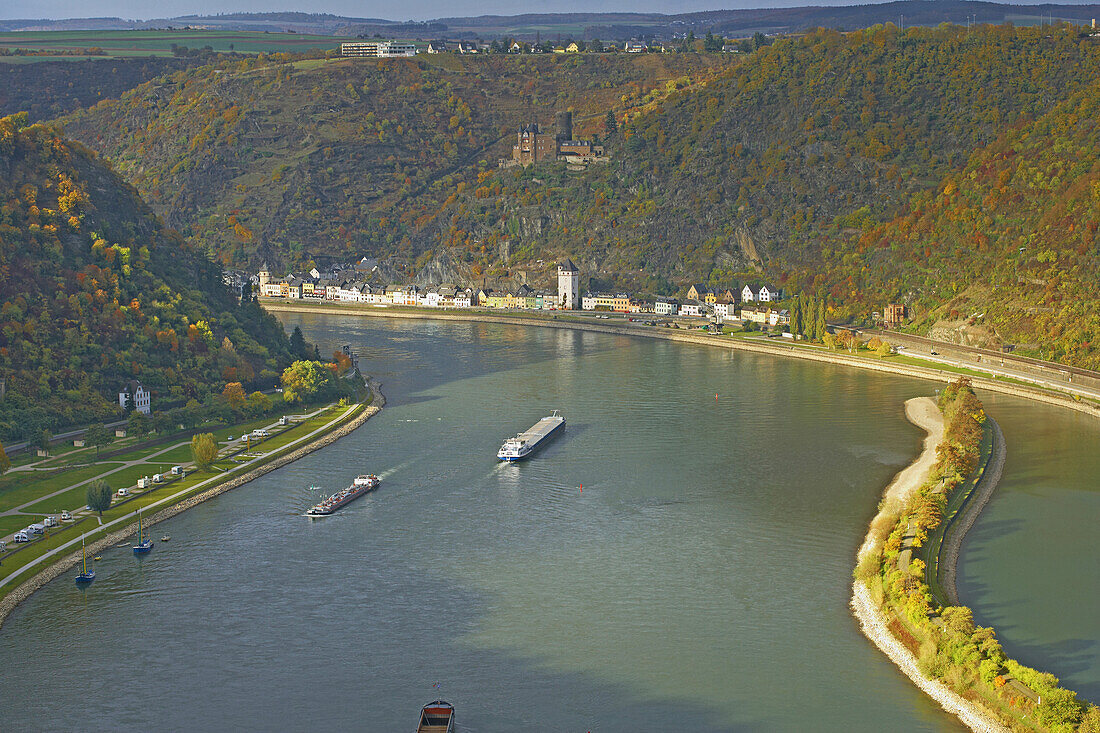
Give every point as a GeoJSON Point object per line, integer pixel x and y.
{"type": "Point", "coordinates": [377, 49]}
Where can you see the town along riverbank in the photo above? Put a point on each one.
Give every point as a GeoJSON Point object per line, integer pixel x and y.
{"type": "Point", "coordinates": [355, 417]}
{"type": "Point", "coordinates": [958, 664]}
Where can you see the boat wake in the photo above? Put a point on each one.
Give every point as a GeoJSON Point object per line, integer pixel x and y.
{"type": "Point", "coordinates": [391, 471]}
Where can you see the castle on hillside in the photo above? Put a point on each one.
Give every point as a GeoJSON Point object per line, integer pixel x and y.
{"type": "Point", "coordinates": [535, 146]}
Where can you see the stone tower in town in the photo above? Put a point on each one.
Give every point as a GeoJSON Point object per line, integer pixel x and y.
{"type": "Point", "coordinates": [569, 286]}
{"type": "Point", "coordinates": [265, 277]}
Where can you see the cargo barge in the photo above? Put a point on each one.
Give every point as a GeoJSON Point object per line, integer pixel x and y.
{"type": "Point", "coordinates": [360, 486]}
{"type": "Point", "coordinates": [526, 443]}
{"type": "Point", "coordinates": [437, 717]}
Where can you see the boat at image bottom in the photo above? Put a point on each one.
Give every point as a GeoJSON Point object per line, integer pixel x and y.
{"type": "Point", "coordinates": [437, 717]}
{"type": "Point", "coordinates": [360, 486]}
{"type": "Point", "coordinates": [526, 443]}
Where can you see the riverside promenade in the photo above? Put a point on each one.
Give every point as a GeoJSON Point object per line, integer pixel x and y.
{"type": "Point", "coordinates": [54, 562]}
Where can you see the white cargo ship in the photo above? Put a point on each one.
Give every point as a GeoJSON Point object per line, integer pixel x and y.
{"type": "Point", "coordinates": [526, 443]}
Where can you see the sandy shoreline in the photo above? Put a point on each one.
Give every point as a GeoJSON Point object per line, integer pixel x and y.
{"type": "Point", "coordinates": [25, 589]}
{"type": "Point", "coordinates": [923, 412]}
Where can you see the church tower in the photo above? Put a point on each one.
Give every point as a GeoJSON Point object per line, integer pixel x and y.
{"type": "Point", "coordinates": [265, 277]}
{"type": "Point", "coordinates": [569, 286]}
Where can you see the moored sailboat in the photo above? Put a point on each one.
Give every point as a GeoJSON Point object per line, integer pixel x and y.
{"type": "Point", "coordinates": [86, 575]}
{"type": "Point", "coordinates": [144, 544]}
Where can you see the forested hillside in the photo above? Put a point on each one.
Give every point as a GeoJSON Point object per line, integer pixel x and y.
{"type": "Point", "coordinates": [1003, 250]}
{"type": "Point", "coordinates": [96, 291]}
{"type": "Point", "coordinates": [261, 159]}
{"type": "Point", "coordinates": [785, 156]}
{"type": "Point", "coordinates": [48, 89]}
{"type": "Point", "coordinates": [820, 162]}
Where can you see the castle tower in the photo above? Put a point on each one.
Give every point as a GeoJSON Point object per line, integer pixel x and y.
{"type": "Point", "coordinates": [564, 122]}
{"type": "Point", "coordinates": [569, 285]}
{"type": "Point", "coordinates": [265, 277]}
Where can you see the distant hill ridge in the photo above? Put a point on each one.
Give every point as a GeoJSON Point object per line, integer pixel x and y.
{"type": "Point", "coordinates": [613, 26]}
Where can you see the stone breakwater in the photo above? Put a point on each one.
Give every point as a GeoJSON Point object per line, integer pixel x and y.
{"type": "Point", "coordinates": [921, 411]}
{"type": "Point", "coordinates": [952, 544]}
{"type": "Point", "coordinates": [873, 624]}
{"type": "Point", "coordinates": [24, 590]}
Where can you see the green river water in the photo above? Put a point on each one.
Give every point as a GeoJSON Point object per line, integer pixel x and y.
{"type": "Point", "coordinates": [678, 559]}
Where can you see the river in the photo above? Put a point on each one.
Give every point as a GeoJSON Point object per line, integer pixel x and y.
{"type": "Point", "coordinates": [678, 559]}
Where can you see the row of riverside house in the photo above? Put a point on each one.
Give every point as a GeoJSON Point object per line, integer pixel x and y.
{"type": "Point", "coordinates": [353, 286]}
{"type": "Point", "coordinates": [758, 304]}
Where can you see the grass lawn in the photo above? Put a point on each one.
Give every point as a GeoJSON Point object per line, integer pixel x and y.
{"type": "Point", "coordinates": [119, 43]}
{"type": "Point", "coordinates": [14, 523]}
{"type": "Point", "coordinates": [176, 456]}
{"type": "Point", "coordinates": [71, 499]}
{"type": "Point", "coordinates": [180, 489]}
{"type": "Point", "coordinates": [18, 489]}
{"type": "Point", "coordinates": [303, 428]}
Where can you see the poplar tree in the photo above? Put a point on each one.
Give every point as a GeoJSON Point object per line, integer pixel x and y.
{"type": "Point", "coordinates": [797, 327]}
{"type": "Point", "coordinates": [819, 325]}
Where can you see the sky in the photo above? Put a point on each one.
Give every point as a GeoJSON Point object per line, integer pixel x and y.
{"type": "Point", "coordinates": [406, 10]}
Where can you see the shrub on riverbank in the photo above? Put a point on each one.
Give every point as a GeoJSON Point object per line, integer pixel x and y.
{"type": "Point", "coordinates": [966, 657]}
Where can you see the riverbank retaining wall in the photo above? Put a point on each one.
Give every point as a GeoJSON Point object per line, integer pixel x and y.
{"type": "Point", "coordinates": [23, 591]}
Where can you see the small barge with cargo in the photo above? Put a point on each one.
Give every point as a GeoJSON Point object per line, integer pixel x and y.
{"type": "Point", "coordinates": [437, 716]}
{"type": "Point", "coordinates": [360, 486]}
{"type": "Point", "coordinates": [527, 442]}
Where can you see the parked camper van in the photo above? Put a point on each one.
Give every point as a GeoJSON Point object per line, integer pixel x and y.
{"type": "Point", "coordinates": [51, 522]}
{"type": "Point", "coordinates": [21, 536]}
{"type": "Point", "coordinates": [37, 528]}
{"type": "Point", "coordinates": [123, 492]}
